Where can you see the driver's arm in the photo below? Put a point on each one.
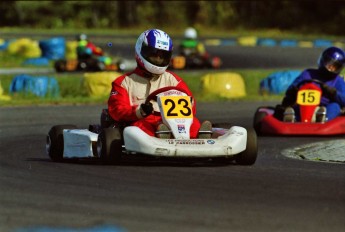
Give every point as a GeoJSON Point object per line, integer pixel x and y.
{"type": "Point", "coordinates": [119, 106]}
{"type": "Point", "coordinates": [291, 92]}
{"type": "Point", "coordinates": [340, 94]}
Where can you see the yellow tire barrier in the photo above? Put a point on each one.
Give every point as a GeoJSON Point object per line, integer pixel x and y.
{"type": "Point", "coordinates": [224, 84]}
{"type": "Point", "coordinates": [99, 83]}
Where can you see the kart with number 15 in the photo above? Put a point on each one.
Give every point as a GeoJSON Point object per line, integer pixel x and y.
{"type": "Point", "coordinates": [308, 100]}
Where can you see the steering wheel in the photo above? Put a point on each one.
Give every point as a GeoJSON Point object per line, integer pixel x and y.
{"type": "Point", "coordinates": [309, 81]}
{"type": "Point", "coordinates": [153, 95]}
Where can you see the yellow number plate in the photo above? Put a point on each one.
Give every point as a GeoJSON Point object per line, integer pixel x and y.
{"type": "Point", "coordinates": [176, 107]}
{"type": "Point", "coordinates": [308, 97]}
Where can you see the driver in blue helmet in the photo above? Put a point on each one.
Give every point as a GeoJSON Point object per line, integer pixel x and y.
{"type": "Point", "coordinates": [126, 104]}
{"type": "Point", "coordinates": [330, 64]}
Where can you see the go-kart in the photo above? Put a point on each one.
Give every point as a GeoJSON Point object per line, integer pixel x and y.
{"type": "Point", "coordinates": [87, 65]}
{"type": "Point", "coordinates": [308, 99]}
{"type": "Point", "coordinates": [195, 62]}
{"type": "Point", "coordinates": [110, 141]}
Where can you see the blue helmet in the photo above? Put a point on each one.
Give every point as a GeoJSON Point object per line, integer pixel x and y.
{"type": "Point", "coordinates": [332, 59]}
{"type": "Point", "coordinates": [153, 43]}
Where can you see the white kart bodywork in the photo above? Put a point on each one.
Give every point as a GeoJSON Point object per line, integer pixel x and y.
{"type": "Point", "coordinates": [78, 143]}
{"type": "Point", "coordinates": [231, 143]}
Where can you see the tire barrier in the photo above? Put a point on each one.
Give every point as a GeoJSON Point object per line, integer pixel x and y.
{"type": "Point", "coordinates": [54, 48]}
{"type": "Point", "coordinates": [24, 47]}
{"type": "Point", "coordinates": [99, 83]}
{"type": "Point", "coordinates": [278, 82]}
{"type": "Point", "coordinates": [40, 86]}
{"type": "Point", "coordinates": [3, 97]}
{"type": "Point", "coordinates": [251, 41]}
{"type": "Point", "coordinates": [223, 84]}
{"type": "Point", "coordinates": [38, 61]}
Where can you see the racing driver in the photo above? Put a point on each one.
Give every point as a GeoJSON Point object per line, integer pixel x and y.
{"type": "Point", "coordinates": [153, 51]}
{"type": "Point", "coordinates": [330, 64]}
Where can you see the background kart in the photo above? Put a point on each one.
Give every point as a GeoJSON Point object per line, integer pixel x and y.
{"type": "Point", "coordinates": [87, 65]}
{"type": "Point", "coordinates": [110, 141]}
{"type": "Point", "coordinates": [195, 62]}
{"type": "Point", "coordinates": [308, 99]}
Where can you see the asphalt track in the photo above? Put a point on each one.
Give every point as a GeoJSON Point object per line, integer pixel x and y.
{"type": "Point", "coordinates": [277, 193]}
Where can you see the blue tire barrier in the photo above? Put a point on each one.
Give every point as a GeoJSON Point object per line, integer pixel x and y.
{"type": "Point", "coordinates": [39, 61]}
{"type": "Point", "coordinates": [229, 42]}
{"type": "Point", "coordinates": [278, 82]}
{"type": "Point", "coordinates": [54, 48]}
{"type": "Point", "coordinates": [40, 86]}
{"type": "Point", "coordinates": [288, 43]}
{"type": "Point", "coordinates": [4, 45]}
{"type": "Point", "coordinates": [267, 42]}
{"type": "Point", "coordinates": [323, 43]}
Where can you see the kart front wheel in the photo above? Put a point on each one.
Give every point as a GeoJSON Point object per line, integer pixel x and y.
{"type": "Point", "coordinates": [259, 115]}
{"type": "Point", "coordinates": [55, 142]}
{"type": "Point", "coordinates": [109, 145]}
{"type": "Point", "coordinates": [248, 156]}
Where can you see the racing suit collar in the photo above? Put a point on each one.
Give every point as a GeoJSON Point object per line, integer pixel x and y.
{"type": "Point", "coordinates": [143, 73]}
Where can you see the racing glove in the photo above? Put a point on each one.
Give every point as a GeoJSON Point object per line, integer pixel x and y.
{"type": "Point", "coordinates": [290, 96]}
{"type": "Point", "coordinates": [329, 92]}
{"type": "Point", "coordinates": [146, 109]}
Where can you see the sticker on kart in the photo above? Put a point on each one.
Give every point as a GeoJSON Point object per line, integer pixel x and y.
{"type": "Point", "coordinates": [187, 142]}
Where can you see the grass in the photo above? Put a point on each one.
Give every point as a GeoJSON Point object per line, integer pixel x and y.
{"type": "Point", "coordinates": [72, 90]}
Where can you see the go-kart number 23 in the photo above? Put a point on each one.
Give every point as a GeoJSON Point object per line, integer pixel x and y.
{"type": "Point", "coordinates": [177, 107]}
{"type": "Point", "coordinates": [308, 97]}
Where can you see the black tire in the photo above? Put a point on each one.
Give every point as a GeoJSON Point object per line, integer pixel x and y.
{"type": "Point", "coordinates": [248, 156]}
{"type": "Point", "coordinates": [93, 65]}
{"type": "Point", "coordinates": [100, 66]}
{"type": "Point", "coordinates": [257, 120]}
{"type": "Point", "coordinates": [55, 143]}
{"type": "Point", "coordinates": [109, 145]}
{"type": "Point", "coordinates": [60, 65]}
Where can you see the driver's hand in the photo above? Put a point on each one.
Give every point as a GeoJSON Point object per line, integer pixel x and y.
{"type": "Point", "coordinates": [290, 96]}
{"type": "Point", "coordinates": [329, 92]}
{"type": "Point", "coordinates": [146, 109]}
{"type": "Point", "coordinates": [292, 91]}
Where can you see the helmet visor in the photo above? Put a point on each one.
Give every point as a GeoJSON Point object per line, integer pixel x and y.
{"type": "Point", "coordinates": [333, 66]}
{"type": "Point", "coordinates": [156, 56]}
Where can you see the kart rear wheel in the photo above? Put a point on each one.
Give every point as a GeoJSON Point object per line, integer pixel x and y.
{"type": "Point", "coordinates": [248, 156]}
{"type": "Point", "coordinates": [60, 65]}
{"type": "Point", "coordinates": [100, 66]}
{"type": "Point", "coordinates": [55, 142]}
{"type": "Point", "coordinates": [109, 145]}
